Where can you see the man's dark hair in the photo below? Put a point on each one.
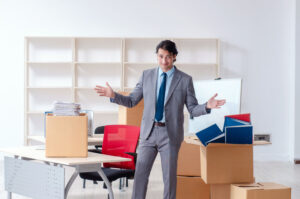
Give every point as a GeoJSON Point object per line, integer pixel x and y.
{"type": "Point", "coordinates": [168, 45]}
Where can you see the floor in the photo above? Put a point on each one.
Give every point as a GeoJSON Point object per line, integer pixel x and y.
{"type": "Point", "coordinates": [280, 172]}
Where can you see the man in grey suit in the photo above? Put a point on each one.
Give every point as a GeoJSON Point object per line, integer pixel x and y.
{"type": "Point", "coordinates": [165, 90]}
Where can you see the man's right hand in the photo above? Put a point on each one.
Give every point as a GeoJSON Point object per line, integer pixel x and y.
{"type": "Point", "coordinates": [105, 91]}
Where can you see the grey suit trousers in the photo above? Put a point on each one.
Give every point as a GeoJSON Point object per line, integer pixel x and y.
{"type": "Point", "coordinates": [158, 141]}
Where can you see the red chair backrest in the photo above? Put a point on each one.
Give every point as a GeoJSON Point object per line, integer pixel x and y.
{"type": "Point", "coordinates": [119, 139]}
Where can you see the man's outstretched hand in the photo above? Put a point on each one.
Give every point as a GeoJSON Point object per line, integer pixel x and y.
{"type": "Point", "coordinates": [213, 103]}
{"type": "Point", "coordinates": [105, 91]}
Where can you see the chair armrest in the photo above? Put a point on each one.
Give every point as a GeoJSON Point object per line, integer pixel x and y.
{"type": "Point", "coordinates": [98, 147]}
{"type": "Point", "coordinates": [95, 150]}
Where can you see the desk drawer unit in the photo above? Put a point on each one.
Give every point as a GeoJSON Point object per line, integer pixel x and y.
{"type": "Point", "coordinates": [34, 179]}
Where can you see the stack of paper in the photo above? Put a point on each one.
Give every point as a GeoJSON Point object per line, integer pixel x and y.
{"type": "Point", "coordinates": [66, 108]}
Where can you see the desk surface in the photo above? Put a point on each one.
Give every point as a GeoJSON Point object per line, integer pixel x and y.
{"type": "Point", "coordinates": [95, 140]}
{"type": "Point", "coordinates": [38, 154]}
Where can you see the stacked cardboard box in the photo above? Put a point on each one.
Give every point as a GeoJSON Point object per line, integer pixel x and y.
{"type": "Point", "coordinates": [189, 183]}
{"type": "Point", "coordinates": [226, 172]}
{"type": "Point", "coordinates": [131, 116]}
{"type": "Point", "coordinates": [260, 191]}
{"type": "Point", "coordinates": [208, 172]}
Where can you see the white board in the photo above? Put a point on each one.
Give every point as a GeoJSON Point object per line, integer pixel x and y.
{"type": "Point", "coordinates": [229, 89]}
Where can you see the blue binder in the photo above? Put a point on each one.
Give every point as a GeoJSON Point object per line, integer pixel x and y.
{"type": "Point", "coordinates": [239, 134]}
{"type": "Point", "coordinates": [233, 122]}
{"type": "Point", "coordinates": [211, 134]}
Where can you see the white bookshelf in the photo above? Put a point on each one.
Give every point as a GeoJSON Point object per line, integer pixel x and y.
{"type": "Point", "coordinates": [68, 68]}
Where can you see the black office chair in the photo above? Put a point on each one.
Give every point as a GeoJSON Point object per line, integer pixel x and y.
{"type": "Point", "coordinates": [126, 147]}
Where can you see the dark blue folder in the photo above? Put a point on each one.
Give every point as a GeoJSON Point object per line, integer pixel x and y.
{"type": "Point", "coordinates": [233, 122]}
{"type": "Point", "coordinates": [239, 134]}
{"type": "Point", "coordinates": [211, 134]}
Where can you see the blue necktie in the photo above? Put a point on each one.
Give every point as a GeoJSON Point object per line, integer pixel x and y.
{"type": "Point", "coordinates": [161, 99]}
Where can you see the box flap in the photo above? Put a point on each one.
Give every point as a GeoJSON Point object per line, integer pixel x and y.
{"type": "Point", "coordinates": [248, 185]}
{"type": "Point", "coordinates": [227, 145]}
{"type": "Point", "coordinates": [80, 114]}
{"type": "Point", "coordinates": [192, 141]}
{"type": "Point", "coordinates": [261, 186]}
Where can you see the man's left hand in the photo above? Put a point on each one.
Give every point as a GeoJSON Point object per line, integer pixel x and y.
{"type": "Point", "coordinates": [213, 103]}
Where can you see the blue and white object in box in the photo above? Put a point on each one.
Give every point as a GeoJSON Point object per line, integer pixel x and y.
{"type": "Point", "coordinates": [45, 114]}
{"type": "Point", "coordinates": [90, 115]}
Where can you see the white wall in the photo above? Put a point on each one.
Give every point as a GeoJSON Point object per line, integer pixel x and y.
{"type": "Point", "coordinates": [257, 45]}
{"type": "Point", "coordinates": [297, 83]}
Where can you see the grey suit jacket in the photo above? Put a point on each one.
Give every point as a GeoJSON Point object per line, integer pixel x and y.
{"type": "Point", "coordinates": [181, 92]}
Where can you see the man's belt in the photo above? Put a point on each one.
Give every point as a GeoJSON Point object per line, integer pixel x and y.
{"type": "Point", "coordinates": [159, 124]}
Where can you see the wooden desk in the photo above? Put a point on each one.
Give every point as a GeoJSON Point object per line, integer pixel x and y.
{"type": "Point", "coordinates": [24, 154]}
{"type": "Point", "coordinates": [95, 140]}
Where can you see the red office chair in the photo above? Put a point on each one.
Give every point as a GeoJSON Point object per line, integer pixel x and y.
{"type": "Point", "coordinates": [118, 140]}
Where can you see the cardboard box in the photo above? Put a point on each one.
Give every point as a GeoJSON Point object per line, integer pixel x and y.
{"type": "Point", "coordinates": [191, 188]}
{"type": "Point", "coordinates": [220, 191]}
{"type": "Point", "coordinates": [66, 136]}
{"type": "Point", "coordinates": [188, 163]}
{"type": "Point", "coordinates": [226, 163]}
{"type": "Point", "coordinates": [260, 191]}
{"type": "Point", "coordinates": [131, 116]}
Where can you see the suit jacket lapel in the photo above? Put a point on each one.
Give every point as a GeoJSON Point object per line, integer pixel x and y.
{"type": "Point", "coordinates": [173, 85]}
{"type": "Point", "coordinates": [154, 83]}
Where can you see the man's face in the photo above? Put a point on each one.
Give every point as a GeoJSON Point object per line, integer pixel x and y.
{"type": "Point", "coordinates": [165, 59]}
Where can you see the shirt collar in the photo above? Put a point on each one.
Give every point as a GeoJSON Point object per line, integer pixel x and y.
{"type": "Point", "coordinates": [169, 72]}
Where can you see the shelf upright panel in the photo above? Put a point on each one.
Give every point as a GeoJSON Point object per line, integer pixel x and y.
{"type": "Point", "coordinates": [26, 50]}
{"type": "Point", "coordinates": [74, 69]}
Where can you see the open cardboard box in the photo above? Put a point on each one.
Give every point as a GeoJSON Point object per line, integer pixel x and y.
{"type": "Point", "coordinates": [225, 163]}
{"type": "Point", "coordinates": [260, 191]}
{"type": "Point", "coordinates": [66, 136]}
